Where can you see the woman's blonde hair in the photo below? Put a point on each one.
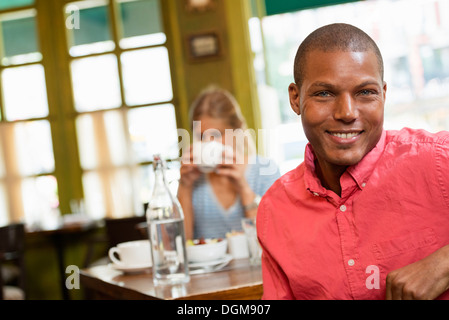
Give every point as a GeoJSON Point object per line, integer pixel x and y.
{"type": "Point", "coordinates": [219, 103]}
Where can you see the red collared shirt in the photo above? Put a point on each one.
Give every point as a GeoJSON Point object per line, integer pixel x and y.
{"type": "Point", "coordinates": [393, 211]}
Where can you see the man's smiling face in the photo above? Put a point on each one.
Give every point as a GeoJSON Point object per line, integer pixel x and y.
{"type": "Point", "coordinates": [341, 103]}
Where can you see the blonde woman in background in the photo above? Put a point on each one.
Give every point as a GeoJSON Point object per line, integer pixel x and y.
{"type": "Point", "coordinates": [214, 203]}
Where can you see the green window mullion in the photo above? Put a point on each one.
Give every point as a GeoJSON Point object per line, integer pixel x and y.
{"type": "Point", "coordinates": [116, 31]}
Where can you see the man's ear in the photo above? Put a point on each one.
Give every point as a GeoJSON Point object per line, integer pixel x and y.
{"type": "Point", "coordinates": [293, 93]}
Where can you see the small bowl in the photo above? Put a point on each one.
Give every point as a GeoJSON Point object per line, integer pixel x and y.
{"type": "Point", "coordinates": [207, 252]}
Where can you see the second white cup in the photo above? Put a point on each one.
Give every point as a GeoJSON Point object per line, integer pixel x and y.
{"type": "Point", "coordinates": [238, 245]}
{"type": "Point", "coordinates": [131, 253]}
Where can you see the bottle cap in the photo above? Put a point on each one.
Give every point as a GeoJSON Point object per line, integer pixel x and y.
{"type": "Point", "coordinates": [156, 159]}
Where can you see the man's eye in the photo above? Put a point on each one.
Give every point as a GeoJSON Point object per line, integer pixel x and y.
{"type": "Point", "coordinates": [323, 94]}
{"type": "Point", "coordinates": [366, 92]}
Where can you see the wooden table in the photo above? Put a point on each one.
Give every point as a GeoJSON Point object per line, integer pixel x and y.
{"type": "Point", "coordinates": [237, 281]}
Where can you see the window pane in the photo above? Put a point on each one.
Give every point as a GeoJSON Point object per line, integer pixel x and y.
{"type": "Point", "coordinates": [90, 33]}
{"type": "Point", "coordinates": [86, 142]}
{"type": "Point", "coordinates": [122, 193]}
{"type": "Point", "coordinates": [7, 4]}
{"type": "Point", "coordinates": [93, 195]}
{"type": "Point", "coordinates": [34, 147]}
{"type": "Point", "coordinates": [118, 185]}
{"type": "Point", "coordinates": [141, 23]}
{"type": "Point", "coordinates": [146, 76]}
{"type": "Point", "coordinates": [116, 138]}
{"type": "Point", "coordinates": [145, 180]}
{"type": "Point", "coordinates": [153, 130]}
{"type": "Point", "coordinates": [24, 92]}
{"type": "Point", "coordinates": [40, 201]}
{"type": "Point", "coordinates": [96, 83]}
{"type": "Point", "coordinates": [20, 44]}
{"type": "Point", "coordinates": [102, 140]}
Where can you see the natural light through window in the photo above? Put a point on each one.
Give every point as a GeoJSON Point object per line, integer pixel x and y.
{"type": "Point", "coordinates": [146, 76]}
{"type": "Point", "coordinates": [24, 92]}
{"type": "Point", "coordinates": [141, 23]}
{"type": "Point", "coordinates": [149, 135]}
{"type": "Point", "coordinates": [96, 83]}
{"type": "Point", "coordinates": [34, 147]}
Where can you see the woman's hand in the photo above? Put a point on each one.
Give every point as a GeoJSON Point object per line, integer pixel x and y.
{"type": "Point", "coordinates": [189, 171]}
{"type": "Point", "coordinates": [234, 167]}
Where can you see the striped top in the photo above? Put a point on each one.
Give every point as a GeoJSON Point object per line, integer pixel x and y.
{"type": "Point", "coordinates": [214, 221]}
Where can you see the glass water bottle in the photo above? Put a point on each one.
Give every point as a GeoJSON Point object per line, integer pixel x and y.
{"type": "Point", "coordinates": [166, 231]}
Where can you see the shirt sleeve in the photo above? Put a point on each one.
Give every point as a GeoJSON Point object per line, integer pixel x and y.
{"type": "Point", "coordinates": [275, 282]}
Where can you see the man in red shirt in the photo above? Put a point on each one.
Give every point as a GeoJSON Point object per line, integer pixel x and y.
{"type": "Point", "coordinates": [366, 215]}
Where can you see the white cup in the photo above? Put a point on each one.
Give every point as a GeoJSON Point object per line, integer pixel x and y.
{"type": "Point", "coordinates": [132, 253]}
{"type": "Point", "coordinates": [255, 251]}
{"type": "Point", "coordinates": [208, 155]}
{"type": "Point", "coordinates": [238, 246]}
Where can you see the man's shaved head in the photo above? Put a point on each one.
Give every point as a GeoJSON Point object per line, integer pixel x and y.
{"type": "Point", "coordinates": [334, 37]}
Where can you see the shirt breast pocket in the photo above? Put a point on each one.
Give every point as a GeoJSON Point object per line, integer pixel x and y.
{"type": "Point", "coordinates": [400, 251]}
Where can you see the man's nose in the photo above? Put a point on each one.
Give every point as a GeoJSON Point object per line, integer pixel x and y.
{"type": "Point", "coordinates": [346, 108]}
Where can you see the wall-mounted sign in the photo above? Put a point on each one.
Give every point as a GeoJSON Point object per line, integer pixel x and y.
{"type": "Point", "coordinates": [204, 45]}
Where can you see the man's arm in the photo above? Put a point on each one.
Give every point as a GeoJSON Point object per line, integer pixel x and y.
{"type": "Point", "coordinates": [425, 279]}
{"type": "Point", "coordinates": [275, 282]}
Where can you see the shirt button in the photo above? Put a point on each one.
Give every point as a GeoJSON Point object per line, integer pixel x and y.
{"type": "Point", "coordinates": [351, 262]}
{"type": "Point", "coordinates": [343, 208]}
{"type": "Point", "coordinates": [363, 185]}
{"type": "Point", "coordinates": [316, 194]}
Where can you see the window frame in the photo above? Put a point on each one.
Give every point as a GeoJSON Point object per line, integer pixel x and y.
{"type": "Point", "coordinates": [52, 40]}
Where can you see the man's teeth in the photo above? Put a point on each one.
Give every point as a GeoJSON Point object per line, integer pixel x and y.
{"type": "Point", "coordinates": [345, 135]}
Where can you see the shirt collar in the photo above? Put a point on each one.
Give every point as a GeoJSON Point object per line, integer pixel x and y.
{"type": "Point", "coordinates": [360, 172]}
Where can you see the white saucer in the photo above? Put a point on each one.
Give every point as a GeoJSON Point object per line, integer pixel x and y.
{"type": "Point", "coordinates": [131, 269]}
{"type": "Point", "coordinates": [224, 260]}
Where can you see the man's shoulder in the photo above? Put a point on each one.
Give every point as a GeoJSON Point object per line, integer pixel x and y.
{"type": "Point", "coordinates": [409, 135]}
{"type": "Point", "coordinates": [286, 181]}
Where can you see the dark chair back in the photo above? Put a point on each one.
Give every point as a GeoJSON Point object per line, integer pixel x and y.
{"type": "Point", "coordinates": [12, 251]}
{"type": "Point", "coordinates": [123, 229]}
{"type": "Point", "coordinates": [117, 230]}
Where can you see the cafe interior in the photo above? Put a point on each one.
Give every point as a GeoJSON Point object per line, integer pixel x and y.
{"type": "Point", "coordinates": [91, 90]}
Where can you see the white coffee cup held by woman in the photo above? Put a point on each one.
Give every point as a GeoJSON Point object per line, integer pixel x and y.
{"type": "Point", "coordinates": [208, 155]}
